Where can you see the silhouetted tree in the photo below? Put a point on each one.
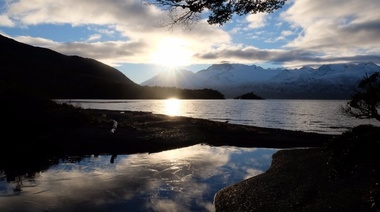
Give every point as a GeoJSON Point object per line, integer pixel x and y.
{"type": "Point", "coordinates": [366, 102]}
{"type": "Point", "coordinates": [220, 11]}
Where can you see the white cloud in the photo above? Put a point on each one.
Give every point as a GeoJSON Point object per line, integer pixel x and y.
{"type": "Point", "coordinates": [6, 21]}
{"type": "Point", "coordinates": [286, 33]}
{"type": "Point", "coordinates": [336, 28]}
{"type": "Point", "coordinates": [37, 41]}
{"type": "Point", "coordinates": [103, 31]}
{"type": "Point", "coordinates": [98, 12]}
{"type": "Point", "coordinates": [94, 37]}
{"type": "Point", "coordinates": [283, 36]}
{"type": "Point", "coordinates": [257, 20]}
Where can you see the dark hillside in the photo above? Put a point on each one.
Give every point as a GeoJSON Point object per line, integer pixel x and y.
{"type": "Point", "coordinates": [58, 75]}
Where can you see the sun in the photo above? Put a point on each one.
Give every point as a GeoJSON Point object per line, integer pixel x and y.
{"type": "Point", "coordinates": [172, 52]}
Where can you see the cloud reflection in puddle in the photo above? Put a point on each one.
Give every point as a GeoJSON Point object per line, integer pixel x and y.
{"type": "Point", "coordinates": [183, 179]}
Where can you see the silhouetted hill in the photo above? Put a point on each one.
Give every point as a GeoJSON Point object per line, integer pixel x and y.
{"type": "Point", "coordinates": [58, 75]}
{"type": "Point", "coordinates": [249, 95]}
{"type": "Point", "coordinates": [72, 77]}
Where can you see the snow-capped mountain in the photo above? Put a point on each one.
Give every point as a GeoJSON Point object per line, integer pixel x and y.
{"type": "Point", "coordinates": [235, 74]}
{"type": "Point", "coordinates": [333, 81]}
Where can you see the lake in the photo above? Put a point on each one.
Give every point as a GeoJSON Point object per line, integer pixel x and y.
{"type": "Point", "coordinates": [320, 116]}
{"type": "Point", "coordinates": [184, 179]}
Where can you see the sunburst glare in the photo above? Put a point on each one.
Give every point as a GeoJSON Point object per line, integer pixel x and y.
{"type": "Point", "coordinates": [171, 52]}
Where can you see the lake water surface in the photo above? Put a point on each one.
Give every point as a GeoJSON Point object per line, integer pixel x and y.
{"type": "Point", "coordinates": [183, 179]}
{"type": "Point", "coordinates": [321, 116]}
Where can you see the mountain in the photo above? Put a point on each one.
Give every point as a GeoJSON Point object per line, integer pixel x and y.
{"type": "Point", "coordinates": [61, 76]}
{"type": "Point", "coordinates": [214, 76]}
{"type": "Point", "coordinates": [175, 78]}
{"type": "Point", "coordinates": [58, 75]}
{"type": "Point", "coordinates": [332, 81]}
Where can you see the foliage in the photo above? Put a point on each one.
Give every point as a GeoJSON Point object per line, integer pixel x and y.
{"type": "Point", "coordinates": [355, 147]}
{"type": "Point", "coordinates": [220, 11]}
{"type": "Point", "coordinates": [366, 102]}
{"type": "Point", "coordinates": [157, 92]}
{"type": "Point", "coordinates": [355, 156]}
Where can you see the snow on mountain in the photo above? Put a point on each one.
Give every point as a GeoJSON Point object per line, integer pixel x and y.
{"type": "Point", "coordinates": [331, 81]}
{"type": "Point", "coordinates": [292, 75]}
{"type": "Point", "coordinates": [346, 70]}
{"type": "Point", "coordinates": [234, 74]}
{"type": "Point", "coordinates": [215, 75]}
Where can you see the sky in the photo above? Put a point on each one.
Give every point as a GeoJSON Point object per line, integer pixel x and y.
{"type": "Point", "coordinates": [131, 36]}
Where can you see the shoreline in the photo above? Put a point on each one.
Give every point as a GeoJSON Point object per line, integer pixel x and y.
{"type": "Point", "coordinates": [298, 179]}
{"type": "Point", "coordinates": [343, 175]}
{"type": "Point", "coordinates": [146, 132]}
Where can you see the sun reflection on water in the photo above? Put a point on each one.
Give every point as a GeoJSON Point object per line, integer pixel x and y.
{"type": "Point", "coordinates": [172, 107]}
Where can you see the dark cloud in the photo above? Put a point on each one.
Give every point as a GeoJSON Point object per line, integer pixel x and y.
{"type": "Point", "coordinates": [281, 56]}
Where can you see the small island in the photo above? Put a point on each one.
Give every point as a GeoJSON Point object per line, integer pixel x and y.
{"type": "Point", "coordinates": [249, 95]}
